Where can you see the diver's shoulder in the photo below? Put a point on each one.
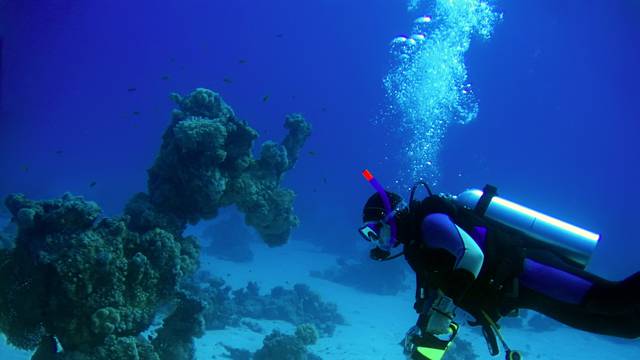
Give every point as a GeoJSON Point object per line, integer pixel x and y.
{"type": "Point", "coordinates": [437, 203]}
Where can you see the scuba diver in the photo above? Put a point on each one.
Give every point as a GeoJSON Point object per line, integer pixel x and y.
{"type": "Point", "coordinates": [491, 257]}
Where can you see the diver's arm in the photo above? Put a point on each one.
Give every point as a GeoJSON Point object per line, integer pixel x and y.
{"type": "Point", "coordinates": [453, 252]}
{"type": "Point", "coordinates": [452, 261]}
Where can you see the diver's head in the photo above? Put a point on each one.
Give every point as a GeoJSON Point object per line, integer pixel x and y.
{"type": "Point", "coordinates": [379, 224]}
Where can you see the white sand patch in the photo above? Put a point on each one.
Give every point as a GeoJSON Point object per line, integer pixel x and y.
{"type": "Point", "coordinates": [8, 352]}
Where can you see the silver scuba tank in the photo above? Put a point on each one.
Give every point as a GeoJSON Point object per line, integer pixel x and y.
{"type": "Point", "coordinates": [568, 240]}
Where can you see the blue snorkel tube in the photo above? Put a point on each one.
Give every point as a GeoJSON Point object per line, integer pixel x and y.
{"type": "Point", "coordinates": [390, 213]}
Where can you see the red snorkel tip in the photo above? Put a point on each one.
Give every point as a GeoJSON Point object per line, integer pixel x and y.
{"type": "Point", "coordinates": [367, 174]}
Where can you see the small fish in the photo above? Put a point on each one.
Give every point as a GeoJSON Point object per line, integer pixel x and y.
{"type": "Point", "coordinates": [265, 98]}
{"type": "Point", "coordinates": [324, 109]}
{"type": "Point", "coordinates": [293, 97]}
{"type": "Point", "coordinates": [25, 168]}
{"type": "Point", "coordinates": [92, 184]}
{"type": "Point", "coordinates": [324, 180]}
{"type": "Point", "coordinates": [242, 61]}
{"type": "Point", "coordinates": [227, 81]}
{"type": "Point", "coordinates": [58, 152]}
{"type": "Point", "coordinates": [136, 113]}
{"type": "Point", "coordinates": [280, 36]}
{"type": "Point", "coordinates": [172, 60]}
{"type": "Point", "coordinates": [165, 77]}
{"type": "Point", "coordinates": [131, 89]}
{"type": "Point", "coordinates": [311, 153]}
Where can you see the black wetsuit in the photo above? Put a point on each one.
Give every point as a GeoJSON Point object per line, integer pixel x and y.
{"type": "Point", "coordinates": [513, 275]}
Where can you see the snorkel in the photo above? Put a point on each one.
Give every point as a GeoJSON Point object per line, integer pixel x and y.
{"type": "Point", "coordinates": [390, 213]}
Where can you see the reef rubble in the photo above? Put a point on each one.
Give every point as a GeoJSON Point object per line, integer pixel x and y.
{"type": "Point", "coordinates": [298, 305]}
{"type": "Point", "coordinates": [281, 346]}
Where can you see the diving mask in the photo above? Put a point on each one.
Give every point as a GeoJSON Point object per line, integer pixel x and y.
{"type": "Point", "coordinates": [378, 233]}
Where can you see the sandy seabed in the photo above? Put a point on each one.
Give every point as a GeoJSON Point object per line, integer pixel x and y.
{"type": "Point", "coordinates": [375, 323]}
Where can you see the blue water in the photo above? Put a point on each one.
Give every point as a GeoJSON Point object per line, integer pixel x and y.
{"type": "Point", "coordinates": [556, 86]}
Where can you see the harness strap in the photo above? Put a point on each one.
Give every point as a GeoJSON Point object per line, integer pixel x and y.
{"type": "Point", "coordinates": [488, 192]}
{"type": "Point", "coordinates": [420, 295]}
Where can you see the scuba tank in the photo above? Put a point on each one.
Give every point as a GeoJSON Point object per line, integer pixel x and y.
{"type": "Point", "coordinates": [567, 240]}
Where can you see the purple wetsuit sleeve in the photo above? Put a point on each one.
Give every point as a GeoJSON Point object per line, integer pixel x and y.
{"type": "Point", "coordinates": [439, 232]}
{"type": "Point", "coordinates": [553, 282]}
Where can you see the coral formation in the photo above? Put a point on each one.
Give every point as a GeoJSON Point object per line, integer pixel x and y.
{"type": "Point", "coordinates": [390, 276]}
{"type": "Point", "coordinates": [298, 306]}
{"type": "Point", "coordinates": [286, 347]}
{"type": "Point", "coordinates": [206, 163]}
{"type": "Point", "coordinates": [84, 279]}
{"type": "Point", "coordinates": [114, 347]}
{"type": "Point", "coordinates": [307, 334]}
{"type": "Point", "coordinates": [93, 284]}
{"type": "Point", "coordinates": [7, 235]}
{"type": "Point", "coordinates": [236, 353]}
{"type": "Point", "coordinates": [219, 307]}
{"type": "Point", "coordinates": [175, 337]}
